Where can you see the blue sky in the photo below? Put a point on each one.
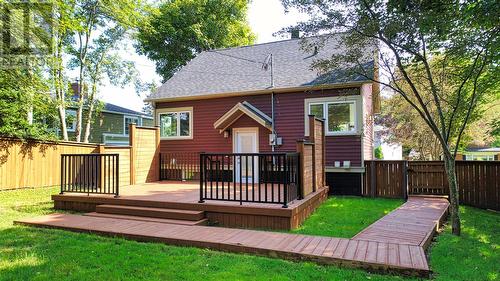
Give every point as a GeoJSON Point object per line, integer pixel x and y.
{"type": "Point", "coordinates": [265, 18]}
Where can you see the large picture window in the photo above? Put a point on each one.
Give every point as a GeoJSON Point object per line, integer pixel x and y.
{"type": "Point", "coordinates": [340, 116]}
{"type": "Point", "coordinates": [176, 123]}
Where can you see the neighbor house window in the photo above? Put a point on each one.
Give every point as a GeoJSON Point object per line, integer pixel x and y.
{"type": "Point", "coordinates": [175, 123]}
{"type": "Point", "coordinates": [340, 116]}
{"type": "Point", "coordinates": [129, 120]}
{"type": "Point", "coordinates": [70, 120]}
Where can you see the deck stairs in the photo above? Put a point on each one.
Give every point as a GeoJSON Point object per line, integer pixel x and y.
{"type": "Point", "coordinates": [149, 214]}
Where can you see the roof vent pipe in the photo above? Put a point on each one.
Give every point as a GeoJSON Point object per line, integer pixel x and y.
{"type": "Point", "coordinates": [295, 33]}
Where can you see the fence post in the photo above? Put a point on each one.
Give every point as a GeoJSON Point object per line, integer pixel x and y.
{"type": "Point", "coordinates": [312, 139]}
{"type": "Point", "coordinates": [132, 133]}
{"type": "Point", "coordinates": [157, 139]}
{"type": "Point", "coordinates": [202, 175]}
{"type": "Point", "coordinates": [373, 179]}
{"type": "Point", "coordinates": [405, 179]}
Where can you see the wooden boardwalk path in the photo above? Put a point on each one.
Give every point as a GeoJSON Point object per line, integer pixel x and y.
{"type": "Point", "coordinates": [413, 223]}
{"type": "Point", "coordinates": [403, 254]}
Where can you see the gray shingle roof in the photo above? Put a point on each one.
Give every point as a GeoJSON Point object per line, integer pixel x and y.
{"type": "Point", "coordinates": [235, 70]}
{"type": "Point", "coordinates": [118, 109]}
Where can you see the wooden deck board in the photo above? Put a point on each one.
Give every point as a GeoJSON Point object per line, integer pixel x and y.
{"type": "Point", "coordinates": [378, 247]}
{"type": "Point", "coordinates": [413, 223]}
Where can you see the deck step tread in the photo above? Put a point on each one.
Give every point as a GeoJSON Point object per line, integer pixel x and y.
{"type": "Point", "coordinates": [150, 212]}
{"type": "Point", "coordinates": [148, 219]}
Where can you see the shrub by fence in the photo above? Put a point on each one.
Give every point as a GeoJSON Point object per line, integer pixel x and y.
{"type": "Point", "coordinates": [478, 181]}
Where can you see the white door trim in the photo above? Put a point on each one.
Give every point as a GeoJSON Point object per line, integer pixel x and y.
{"type": "Point", "coordinates": [235, 148]}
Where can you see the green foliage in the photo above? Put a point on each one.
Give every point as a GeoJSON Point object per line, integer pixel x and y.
{"type": "Point", "coordinates": [21, 92]}
{"type": "Point", "coordinates": [378, 153]}
{"type": "Point", "coordinates": [178, 29]}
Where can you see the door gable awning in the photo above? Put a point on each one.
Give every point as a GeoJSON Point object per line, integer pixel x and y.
{"type": "Point", "coordinates": [239, 110]}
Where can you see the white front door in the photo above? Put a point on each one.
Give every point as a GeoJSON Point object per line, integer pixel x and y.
{"type": "Point", "coordinates": [245, 140]}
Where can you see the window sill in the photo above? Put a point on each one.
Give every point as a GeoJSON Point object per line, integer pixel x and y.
{"type": "Point", "coordinates": [342, 134]}
{"type": "Point", "coordinates": [176, 138]}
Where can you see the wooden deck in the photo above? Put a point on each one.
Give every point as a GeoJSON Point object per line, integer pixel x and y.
{"type": "Point", "coordinates": [185, 196]}
{"type": "Point", "coordinates": [403, 253]}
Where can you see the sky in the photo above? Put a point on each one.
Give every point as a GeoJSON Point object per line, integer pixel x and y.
{"type": "Point", "coordinates": [265, 18]}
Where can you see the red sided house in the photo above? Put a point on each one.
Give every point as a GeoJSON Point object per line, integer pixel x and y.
{"type": "Point", "coordinates": [257, 99]}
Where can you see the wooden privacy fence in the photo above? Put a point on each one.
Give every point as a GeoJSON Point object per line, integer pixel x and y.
{"type": "Point", "coordinates": [385, 179]}
{"type": "Point", "coordinates": [36, 163]}
{"type": "Point", "coordinates": [478, 181]}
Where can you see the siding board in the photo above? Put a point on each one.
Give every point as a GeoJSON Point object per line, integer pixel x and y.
{"type": "Point", "coordinates": [289, 124]}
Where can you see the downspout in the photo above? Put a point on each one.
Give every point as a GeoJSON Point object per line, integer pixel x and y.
{"type": "Point", "coordinates": [273, 131]}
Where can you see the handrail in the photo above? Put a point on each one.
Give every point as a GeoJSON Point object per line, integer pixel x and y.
{"type": "Point", "coordinates": [250, 177]}
{"type": "Point", "coordinates": [90, 173]}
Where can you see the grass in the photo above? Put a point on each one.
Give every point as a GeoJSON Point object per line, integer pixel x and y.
{"type": "Point", "coordinates": [46, 254]}
{"type": "Point", "coordinates": [345, 216]}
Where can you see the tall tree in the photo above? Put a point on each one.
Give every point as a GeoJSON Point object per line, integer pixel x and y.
{"type": "Point", "coordinates": [96, 17]}
{"type": "Point", "coordinates": [65, 25]}
{"type": "Point", "coordinates": [178, 29]}
{"type": "Point", "coordinates": [461, 35]}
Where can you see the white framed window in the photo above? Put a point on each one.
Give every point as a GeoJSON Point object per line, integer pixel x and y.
{"type": "Point", "coordinates": [70, 120]}
{"type": "Point", "coordinates": [341, 114]}
{"type": "Point", "coordinates": [175, 123]}
{"type": "Point", "coordinates": [127, 120]}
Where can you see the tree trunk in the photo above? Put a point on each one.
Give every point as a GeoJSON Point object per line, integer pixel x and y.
{"type": "Point", "coordinates": [90, 113]}
{"type": "Point", "coordinates": [449, 165]}
{"type": "Point", "coordinates": [62, 120]}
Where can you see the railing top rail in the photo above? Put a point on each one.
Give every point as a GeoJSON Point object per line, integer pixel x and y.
{"type": "Point", "coordinates": [248, 154]}
{"type": "Point", "coordinates": [92, 154]}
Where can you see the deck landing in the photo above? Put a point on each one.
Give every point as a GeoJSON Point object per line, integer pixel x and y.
{"type": "Point", "coordinates": [407, 257]}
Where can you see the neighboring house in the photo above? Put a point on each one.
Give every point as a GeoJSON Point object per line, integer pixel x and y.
{"type": "Point", "coordinates": [110, 125]}
{"type": "Point", "coordinates": [223, 101]}
{"type": "Point", "coordinates": [480, 153]}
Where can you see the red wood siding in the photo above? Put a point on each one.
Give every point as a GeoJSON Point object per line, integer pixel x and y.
{"type": "Point", "coordinates": [289, 124]}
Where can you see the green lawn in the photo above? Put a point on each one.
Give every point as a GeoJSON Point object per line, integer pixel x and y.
{"type": "Point", "coordinates": [346, 216]}
{"type": "Point", "coordinates": [45, 254]}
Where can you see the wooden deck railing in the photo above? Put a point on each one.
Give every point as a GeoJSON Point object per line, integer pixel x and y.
{"type": "Point", "coordinates": [250, 177]}
{"type": "Point", "coordinates": [90, 173]}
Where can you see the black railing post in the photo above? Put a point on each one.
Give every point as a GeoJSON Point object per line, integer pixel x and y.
{"type": "Point", "coordinates": [285, 183]}
{"type": "Point", "coordinates": [117, 175]}
{"type": "Point", "coordinates": [160, 177]}
{"type": "Point", "coordinates": [202, 176]}
{"type": "Point", "coordinates": [62, 174]}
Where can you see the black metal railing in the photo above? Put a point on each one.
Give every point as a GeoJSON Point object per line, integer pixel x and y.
{"type": "Point", "coordinates": [179, 166]}
{"type": "Point", "coordinates": [250, 177]}
{"type": "Point", "coordinates": [90, 173]}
